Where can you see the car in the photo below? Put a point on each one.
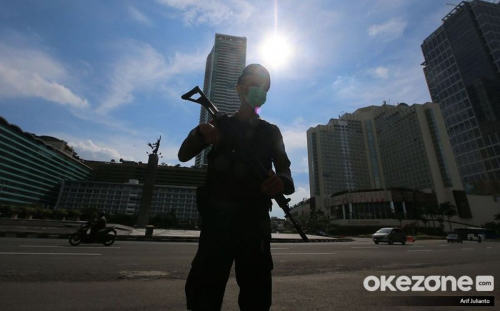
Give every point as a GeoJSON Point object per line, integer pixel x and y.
{"type": "Point", "coordinates": [389, 235]}
{"type": "Point", "coordinates": [453, 237]}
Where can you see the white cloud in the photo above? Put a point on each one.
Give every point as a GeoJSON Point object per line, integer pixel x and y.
{"type": "Point", "coordinates": [388, 31]}
{"type": "Point", "coordinates": [211, 12]}
{"type": "Point", "coordinates": [144, 68]}
{"type": "Point", "coordinates": [89, 150]}
{"type": "Point", "coordinates": [138, 16]}
{"type": "Point", "coordinates": [32, 73]}
{"type": "Point", "coordinates": [379, 72]}
{"type": "Point", "coordinates": [407, 84]}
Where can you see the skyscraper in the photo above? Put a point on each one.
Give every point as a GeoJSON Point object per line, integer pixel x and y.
{"type": "Point", "coordinates": [383, 147]}
{"type": "Point", "coordinates": [223, 67]}
{"type": "Point", "coordinates": [462, 69]}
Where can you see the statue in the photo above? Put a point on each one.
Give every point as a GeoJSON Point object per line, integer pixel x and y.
{"type": "Point", "coordinates": [155, 146]}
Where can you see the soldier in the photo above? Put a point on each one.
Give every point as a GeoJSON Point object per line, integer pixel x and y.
{"type": "Point", "coordinates": [234, 203]}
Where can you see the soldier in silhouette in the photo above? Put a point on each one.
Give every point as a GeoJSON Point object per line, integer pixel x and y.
{"type": "Point", "coordinates": [234, 203]}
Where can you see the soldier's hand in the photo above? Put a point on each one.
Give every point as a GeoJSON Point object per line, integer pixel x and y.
{"type": "Point", "coordinates": [210, 133]}
{"type": "Point", "coordinates": [272, 185]}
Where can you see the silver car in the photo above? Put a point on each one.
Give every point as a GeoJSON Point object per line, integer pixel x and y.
{"type": "Point", "coordinates": [389, 235]}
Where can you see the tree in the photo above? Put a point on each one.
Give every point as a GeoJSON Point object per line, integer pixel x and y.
{"type": "Point", "coordinates": [400, 216]}
{"type": "Point", "coordinates": [448, 210]}
{"type": "Point", "coordinates": [497, 216]}
{"type": "Point", "coordinates": [424, 220]}
{"type": "Point", "coordinates": [431, 210]}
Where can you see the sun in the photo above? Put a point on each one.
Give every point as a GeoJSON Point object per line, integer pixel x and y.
{"type": "Point", "coordinates": [275, 51]}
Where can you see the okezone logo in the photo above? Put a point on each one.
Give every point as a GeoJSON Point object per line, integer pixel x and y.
{"type": "Point", "coordinates": [420, 283]}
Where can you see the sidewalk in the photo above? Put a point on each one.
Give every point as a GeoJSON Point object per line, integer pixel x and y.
{"type": "Point", "coordinates": [58, 229]}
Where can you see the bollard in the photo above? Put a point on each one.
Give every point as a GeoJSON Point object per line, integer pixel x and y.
{"type": "Point", "coordinates": [149, 230]}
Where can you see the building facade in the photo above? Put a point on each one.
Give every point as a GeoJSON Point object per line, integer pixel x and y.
{"type": "Point", "coordinates": [125, 198]}
{"type": "Point", "coordinates": [380, 148]}
{"type": "Point", "coordinates": [32, 168]}
{"type": "Point", "coordinates": [166, 175]}
{"type": "Point", "coordinates": [223, 67]}
{"type": "Point", "coordinates": [462, 69]}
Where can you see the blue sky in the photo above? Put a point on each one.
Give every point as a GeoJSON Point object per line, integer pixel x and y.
{"type": "Point", "coordinates": [106, 76]}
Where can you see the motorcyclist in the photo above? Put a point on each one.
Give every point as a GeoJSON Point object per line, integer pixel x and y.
{"type": "Point", "coordinates": [98, 224]}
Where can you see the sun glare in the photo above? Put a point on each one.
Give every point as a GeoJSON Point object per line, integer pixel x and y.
{"type": "Point", "coordinates": [275, 51]}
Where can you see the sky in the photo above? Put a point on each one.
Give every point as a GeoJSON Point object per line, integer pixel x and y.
{"type": "Point", "coordinates": [107, 76]}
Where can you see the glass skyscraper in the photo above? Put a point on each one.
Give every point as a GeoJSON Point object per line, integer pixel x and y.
{"type": "Point", "coordinates": [223, 67]}
{"type": "Point", "coordinates": [462, 69]}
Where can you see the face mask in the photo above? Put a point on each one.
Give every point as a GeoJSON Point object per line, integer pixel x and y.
{"type": "Point", "coordinates": [256, 96]}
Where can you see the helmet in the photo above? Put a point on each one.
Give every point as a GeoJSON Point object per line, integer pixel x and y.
{"type": "Point", "coordinates": [101, 214]}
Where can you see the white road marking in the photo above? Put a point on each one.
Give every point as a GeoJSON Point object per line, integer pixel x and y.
{"type": "Point", "coordinates": [466, 249]}
{"type": "Point", "coordinates": [70, 254]}
{"type": "Point", "coordinates": [303, 253]}
{"type": "Point", "coordinates": [366, 247]}
{"type": "Point", "coordinates": [87, 247]}
{"type": "Point", "coordinates": [37, 246]}
{"type": "Point", "coordinates": [420, 250]}
{"type": "Point", "coordinates": [56, 246]}
{"type": "Point", "coordinates": [488, 247]}
{"type": "Point", "coordinates": [416, 245]}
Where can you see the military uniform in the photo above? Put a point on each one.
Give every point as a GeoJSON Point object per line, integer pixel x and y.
{"type": "Point", "coordinates": [235, 217]}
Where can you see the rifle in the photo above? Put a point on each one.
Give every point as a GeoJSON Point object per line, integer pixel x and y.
{"type": "Point", "coordinates": [262, 172]}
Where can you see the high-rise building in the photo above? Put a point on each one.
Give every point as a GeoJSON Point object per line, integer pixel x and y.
{"type": "Point", "coordinates": [380, 148]}
{"type": "Point", "coordinates": [462, 69]}
{"type": "Point", "coordinates": [223, 67]}
{"type": "Point", "coordinates": [32, 168]}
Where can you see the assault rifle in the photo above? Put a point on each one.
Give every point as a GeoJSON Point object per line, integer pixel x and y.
{"type": "Point", "coordinates": [254, 163]}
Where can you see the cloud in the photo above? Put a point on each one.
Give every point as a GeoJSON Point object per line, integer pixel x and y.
{"type": "Point", "coordinates": [138, 16]}
{"type": "Point", "coordinates": [88, 150]}
{"type": "Point", "coordinates": [195, 12]}
{"type": "Point", "coordinates": [407, 84]}
{"type": "Point", "coordinates": [95, 146]}
{"type": "Point", "coordinates": [379, 72]}
{"type": "Point", "coordinates": [143, 68]}
{"type": "Point", "coordinates": [388, 31]}
{"type": "Point", "coordinates": [32, 73]}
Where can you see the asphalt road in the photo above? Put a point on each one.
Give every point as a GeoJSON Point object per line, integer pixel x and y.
{"type": "Point", "coordinates": [40, 274]}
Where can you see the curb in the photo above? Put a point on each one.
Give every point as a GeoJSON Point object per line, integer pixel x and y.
{"type": "Point", "coordinates": [32, 235]}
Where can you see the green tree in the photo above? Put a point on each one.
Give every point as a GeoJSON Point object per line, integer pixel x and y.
{"type": "Point", "coordinates": [448, 210]}
{"type": "Point", "coordinates": [431, 210]}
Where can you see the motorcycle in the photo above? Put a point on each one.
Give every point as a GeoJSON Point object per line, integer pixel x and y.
{"type": "Point", "coordinates": [105, 236]}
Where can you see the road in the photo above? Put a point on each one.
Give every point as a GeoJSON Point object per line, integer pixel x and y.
{"type": "Point", "coordinates": [46, 274]}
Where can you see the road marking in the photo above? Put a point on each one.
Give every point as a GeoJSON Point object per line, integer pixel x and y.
{"type": "Point", "coordinates": [366, 247]}
{"type": "Point", "coordinates": [303, 253]}
{"type": "Point", "coordinates": [420, 250]}
{"type": "Point", "coordinates": [416, 245]}
{"type": "Point", "coordinates": [37, 246]}
{"type": "Point", "coordinates": [70, 254]}
{"type": "Point", "coordinates": [87, 247]}
{"type": "Point", "coordinates": [488, 247]}
{"type": "Point", "coordinates": [443, 245]}
{"type": "Point", "coordinates": [466, 249]}
{"type": "Point", "coordinates": [280, 248]}
{"type": "Point", "coordinates": [56, 246]}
